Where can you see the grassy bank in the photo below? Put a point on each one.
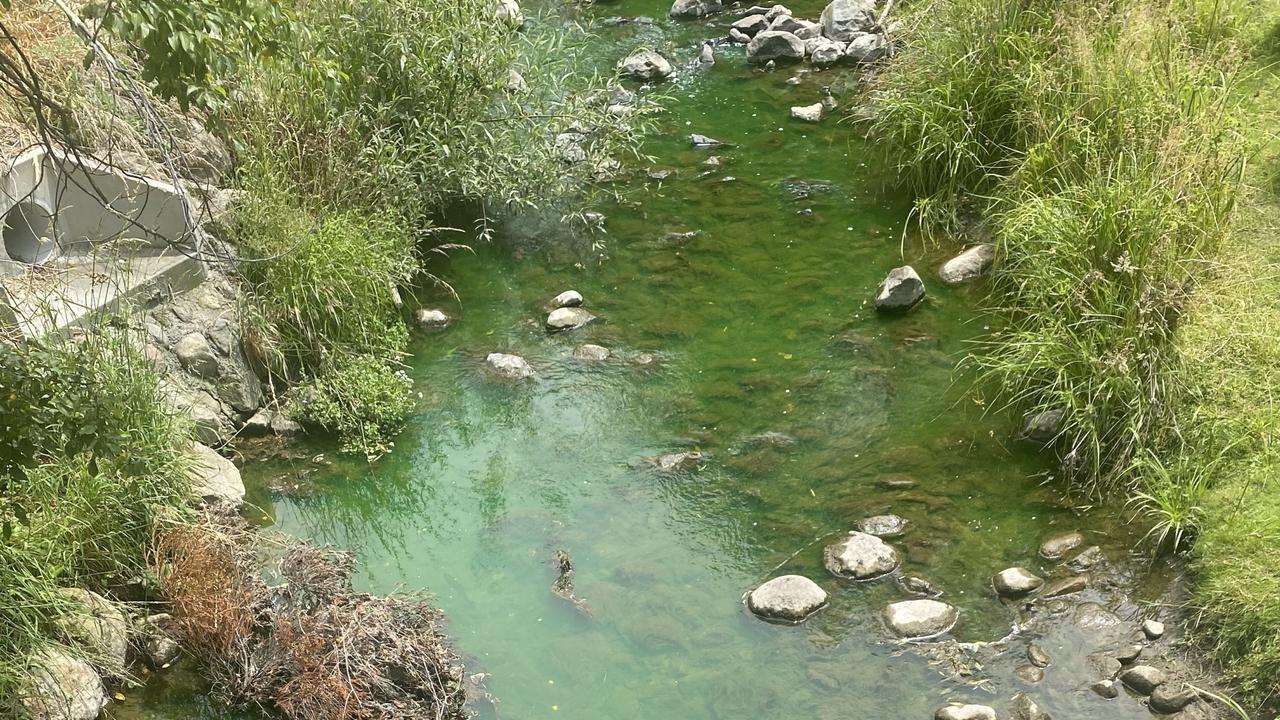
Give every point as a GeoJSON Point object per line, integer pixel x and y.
{"type": "Point", "coordinates": [1103, 150]}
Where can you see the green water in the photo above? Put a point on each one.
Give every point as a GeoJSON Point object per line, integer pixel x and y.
{"type": "Point", "coordinates": [759, 323]}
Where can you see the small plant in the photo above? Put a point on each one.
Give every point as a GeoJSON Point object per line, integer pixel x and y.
{"type": "Point", "coordinates": [1172, 498]}
{"type": "Point", "coordinates": [363, 401]}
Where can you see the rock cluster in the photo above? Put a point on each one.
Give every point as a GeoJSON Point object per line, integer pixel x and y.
{"type": "Point", "coordinates": [567, 312]}
{"type": "Point", "coordinates": [847, 31]}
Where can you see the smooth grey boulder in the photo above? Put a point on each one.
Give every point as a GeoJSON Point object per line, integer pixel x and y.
{"type": "Point", "coordinates": [62, 687]}
{"type": "Point", "coordinates": [867, 48]}
{"type": "Point", "coordinates": [197, 356]}
{"type": "Point", "coordinates": [1153, 629]}
{"type": "Point", "coordinates": [968, 265]}
{"type": "Point", "coordinates": [824, 51]}
{"type": "Point", "coordinates": [1055, 547]}
{"type": "Point", "coordinates": [645, 65]}
{"type": "Point", "coordinates": [918, 619]}
{"type": "Point", "coordinates": [1042, 428]}
{"type": "Point", "coordinates": [1142, 679]}
{"type": "Point", "coordinates": [860, 556]}
{"type": "Point", "coordinates": [97, 625]}
{"type": "Point", "coordinates": [1170, 698]}
{"type": "Point", "coordinates": [956, 711]}
{"type": "Point", "coordinates": [900, 291]}
{"type": "Point", "coordinates": [1015, 582]}
{"type": "Point", "coordinates": [568, 318]}
{"type": "Point", "coordinates": [510, 366]}
{"type": "Point", "coordinates": [213, 477]}
{"type": "Point", "coordinates": [842, 18]}
{"type": "Point", "coordinates": [884, 526]}
{"type": "Point", "coordinates": [431, 318]}
{"type": "Point", "coordinates": [692, 9]}
{"type": "Point", "coordinates": [1023, 707]}
{"type": "Point", "coordinates": [772, 45]}
{"type": "Point", "coordinates": [750, 25]}
{"type": "Point", "coordinates": [789, 597]}
{"type": "Point", "coordinates": [592, 353]}
{"type": "Point", "coordinates": [568, 298]}
{"type": "Point", "coordinates": [808, 113]}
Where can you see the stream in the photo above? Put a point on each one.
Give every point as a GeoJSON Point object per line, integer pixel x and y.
{"type": "Point", "coordinates": [758, 322]}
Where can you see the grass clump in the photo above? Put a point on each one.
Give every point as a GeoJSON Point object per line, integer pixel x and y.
{"type": "Point", "coordinates": [90, 460]}
{"type": "Point", "coordinates": [364, 401]}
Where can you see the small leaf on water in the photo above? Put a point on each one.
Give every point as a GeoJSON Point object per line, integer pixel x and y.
{"type": "Point", "coordinates": [119, 696]}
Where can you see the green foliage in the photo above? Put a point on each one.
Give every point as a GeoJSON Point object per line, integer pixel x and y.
{"type": "Point", "coordinates": [1101, 140]}
{"type": "Point", "coordinates": [90, 459]}
{"type": "Point", "coordinates": [189, 48]}
{"type": "Point", "coordinates": [364, 401]}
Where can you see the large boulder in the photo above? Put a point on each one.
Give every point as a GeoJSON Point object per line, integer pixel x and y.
{"type": "Point", "coordinates": [1015, 582]}
{"type": "Point", "coordinates": [197, 356]}
{"type": "Point", "coordinates": [790, 597]}
{"type": "Point", "coordinates": [645, 65]}
{"type": "Point", "coordinates": [915, 619]}
{"type": "Point", "coordinates": [62, 687]}
{"type": "Point", "coordinates": [842, 18]}
{"type": "Point", "coordinates": [695, 8]}
{"type": "Point", "coordinates": [510, 366]}
{"type": "Point", "coordinates": [568, 318]}
{"type": "Point", "coordinates": [750, 25]}
{"type": "Point", "coordinates": [860, 556]}
{"type": "Point", "coordinates": [824, 51]}
{"type": "Point", "coordinates": [98, 625]}
{"type": "Point", "coordinates": [867, 48]}
{"type": "Point", "coordinates": [774, 45]}
{"type": "Point", "coordinates": [900, 291]}
{"type": "Point", "coordinates": [213, 477]}
{"type": "Point", "coordinates": [966, 266]}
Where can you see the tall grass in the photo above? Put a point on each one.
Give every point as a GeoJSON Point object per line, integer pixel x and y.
{"type": "Point", "coordinates": [1099, 144]}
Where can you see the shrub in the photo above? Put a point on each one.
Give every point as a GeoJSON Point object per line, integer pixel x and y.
{"type": "Point", "coordinates": [364, 401]}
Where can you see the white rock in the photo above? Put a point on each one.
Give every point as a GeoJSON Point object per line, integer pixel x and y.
{"type": "Point", "coordinates": [867, 48]}
{"type": "Point", "coordinates": [695, 8]}
{"type": "Point", "coordinates": [645, 65]}
{"type": "Point", "coordinates": [431, 318]}
{"type": "Point", "coordinates": [860, 556]}
{"type": "Point", "coordinates": [968, 265]}
{"type": "Point", "coordinates": [593, 353]}
{"type": "Point", "coordinates": [568, 298]}
{"type": "Point", "coordinates": [214, 477]}
{"type": "Point", "coordinates": [508, 12]}
{"type": "Point", "coordinates": [965, 712]}
{"type": "Point", "coordinates": [1153, 629]}
{"type": "Point", "coordinates": [62, 687]}
{"type": "Point", "coordinates": [916, 619]}
{"type": "Point", "coordinates": [568, 318]}
{"type": "Point", "coordinates": [807, 113]}
{"type": "Point", "coordinates": [824, 51]}
{"type": "Point", "coordinates": [512, 366]}
{"type": "Point", "coordinates": [790, 597]}
{"type": "Point", "coordinates": [773, 45]}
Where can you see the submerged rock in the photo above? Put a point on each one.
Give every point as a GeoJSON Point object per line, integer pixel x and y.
{"type": "Point", "coordinates": [431, 318]}
{"type": "Point", "coordinates": [1023, 707]}
{"type": "Point", "coordinates": [915, 585]}
{"type": "Point", "coordinates": [1142, 679]}
{"type": "Point", "coordinates": [900, 291]}
{"type": "Point", "coordinates": [687, 9]}
{"type": "Point", "coordinates": [1065, 586]}
{"type": "Point", "coordinates": [645, 65]}
{"type": "Point", "coordinates": [702, 141]}
{"type": "Point", "coordinates": [841, 19]}
{"type": "Point", "coordinates": [510, 366]}
{"type": "Point", "coordinates": [1014, 582]}
{"type": "Point", "coordinates": [214, 478]}
{"type": "Point", "coordinates": [1106, 688]}
{"type": "Point", "coordinates": [1037, 656]}
{"type": "Point", "coordinates": [1055, 547]}
{"type": "Point", "coordinates": [1029, 674]}
{"type": "Point", "coordinates": [568, 298]}
{"type": "Point", "coordinates": [773, 45]}
{"type": "Point", "coordinates": [678, 461]}
{"type": "Point", "coordinates": [966, 266]}
{"type": "Point", "coordinates": [1088, 558]}
{"type": "Point", "coordinates": [807, 113]}
{"type": "Point", "coordinates": [593, 353]}
{"type": "Point", "coordinates": [884, 526]}
{"type": "Point", "coordinates": [790, 597]}
{"type": "Point", "coordinates": [860, 556]}
{"type": "Point", "coordinates": [918, 619]}
{"type": "Point", "coordinates": [62, 687]}
{"type": "Point", "coordinates": [568, 318]}
{"type": "Point", "coordinates": [1092, 616]}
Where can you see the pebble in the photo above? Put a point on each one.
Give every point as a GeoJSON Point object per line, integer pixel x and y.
{"type": "Point", "coordinates": [1029, 674]}
{"type": "Point", "coordinates": [1038, 656]}
{"type": "Point", "coordinates": [1106, 688]}
{"type": "Point", "coordinates": [1057, 546]}
{"type": "Point", "coordinates": [1153, 629]}
{"type": "Point", "coordinates": [1142, 679]}
{"type": "Point", "coordinates": [1169, 698]}
{"type": "Point", "coordinates": [1014, 582]}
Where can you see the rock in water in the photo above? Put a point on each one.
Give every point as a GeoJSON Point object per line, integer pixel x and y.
{"type": "Point", "coordinates": [965, 712]}
{"type": "Point", "coordinates": [645, 65]}
{"type": "Point", "coordinates": [158, 640]}
{"type": "Point", "coordinates": [841, 19]}
{"type": "Point", "coordinates": [1142, 679]}
{"type": "Point", "coordinates": [431, 318]}
{"type": "Point", "coordinates": [900, 291]}
{"type": "Point", "coordinates": [702, 141]}
{"type": "Point", "coordinates": [772, 45]}
{"type": "Point", "coordinates": [708, 55]}
{"type": "Point", "coordinates": [511, 366]}
{"type": "Point", "coordinates": [867, 48]}
{"type": "Point", "coordinates": [568, 318]}
{"type": "Point", "coordinates": [679, 461]}
{"type": "Point", "coordinates": [966, 266]}
{"type": "Point", "coordinates": [1015, 582]}
{"type": "Point", "coordinates": [1106, 689]}
{"type": "Point", "coordinates": [688, 9]}
{"type": "Point", "coordinates": [918, 619]}
{"type": "Point", "coordinates": [790, 597]}
{"type": "Point", "coordinates": [884, 526]}
{"type": "Point", "coordinates": [62, 687]}
{"type": "Point", "coordinates": [568, 298]}
{"type": "Point", "coordinates": [1023, 707]}
{"type": "Point", "coordinates": [214, 477]}
{"type": "Point", "coordinates": [807, 113]}
{"type": "Point", "coordinates": [860, 556]}
{"type": "Point", "coordinates": [750, 25]}
{"type": "Point", "coordinates": [1038, 656]}
{"type": "Point", "coordinates": [1055, 547]}
{"type": "Point", "coordinates": [1065, 586]}
{"type": "Point", "coordinates": [1042, 428]}
{"type": "Point", "coordinates": [824, 51]}
{"type": "Point", "coordinates": [98, 625]}
{"type": "Point", "coordinates": [592, 353]}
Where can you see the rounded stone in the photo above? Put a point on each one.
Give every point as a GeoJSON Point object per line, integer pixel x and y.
{"type": "Point", "coordinates": [915, 619]}
{"type": "Point", "coordinates": [594, 353]}
{"type": "Point", "coordinates": [965, 712]}
{"type": "Point", "coordinates": [900, 291]}
{"type": "Point", "coordinates": [214, 478]}
{"type": "Point", "coordinates": [1170, 698]}
{"type": "Point", "coordinates": [1038, 656]}
{"type": "Point", "coordinates": [1029, 674]}
{"type": "Point", "coordinates": [1142, 679]}
{"type": "Point", "coordinates": [431, 318]}
{"type": "Point", "coordinates": [966, 266]}
{"type": "Point", "coordinates": [511, 366]}
{"type": "Point", "coordinates": [62, 687]}
{"type": "Point", "coordinates": [1106, 688]}
{"type": "Point", "coordinates": [568, 318]}
{"type": "Point", "coordinates": [884, 526]}
{"type": "Point", "coordinates": [1057, 546]}
{"type": "Point", "coordinates": [1092, 616]}
{"type": "Point", "coordinates": [790, 597]}
{"type": "Point", "coordinates": [568, 298]}
{"type": "Point", "coordinates": [1023, 707]}
{"type": "Point", "coordinates": [98, 625]}
{"type": "Point", "coordinates": [1153, 629]}
{"type": "Point", "coordinates": [1016, 581]}
{"type": "Point", "coordinates": [860, 556]}
{"type": "Point", "coordinates": [645, 65]}
{"type": "Point", "coordinates": [1065, 586]}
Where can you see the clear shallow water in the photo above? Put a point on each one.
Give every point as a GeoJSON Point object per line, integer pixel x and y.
{"type": "Point", "coordinates": [759, 323]}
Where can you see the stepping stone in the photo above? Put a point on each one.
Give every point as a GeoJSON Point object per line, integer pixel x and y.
{"type": "Point", "coordinates": [790, 597]}
{"type": "Point", "coordinates": [860, 556]}
{"type": "Point", "coordinates": [918, 619]}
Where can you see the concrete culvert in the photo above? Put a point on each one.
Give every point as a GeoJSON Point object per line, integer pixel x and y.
{"type": "Point", "coordinates": [28, 234]}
